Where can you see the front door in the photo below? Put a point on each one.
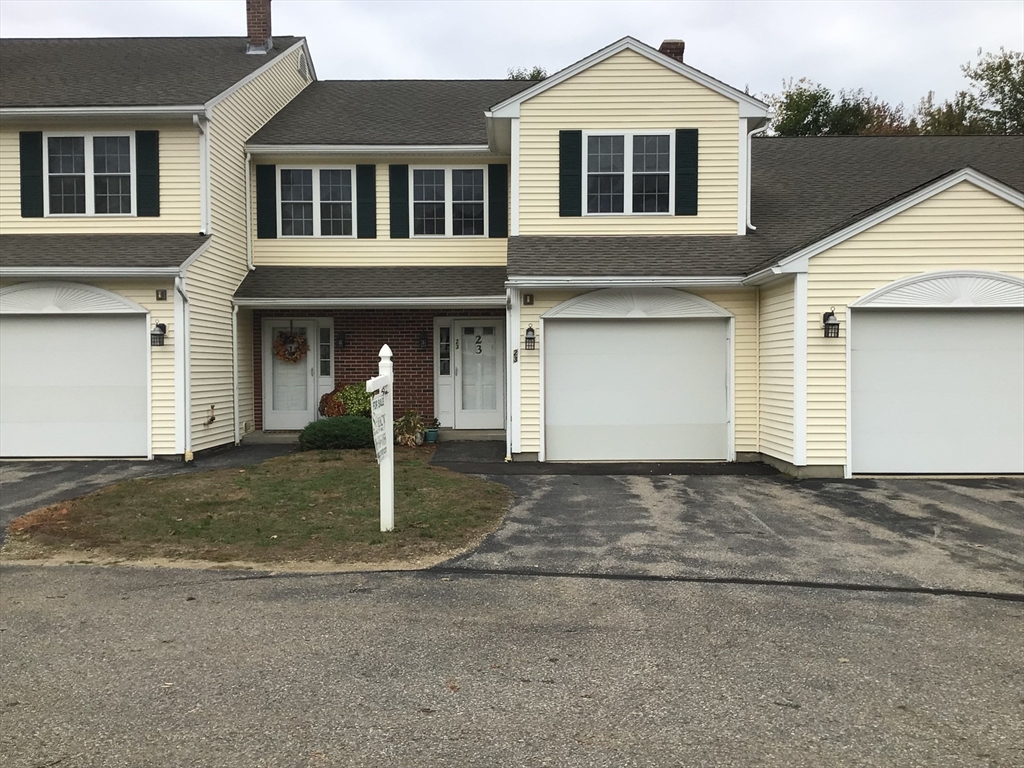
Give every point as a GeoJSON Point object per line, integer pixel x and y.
{"type": "Point", "coordinates": [478, 360]}
{"type": "Point", "coordinates": [289, 375]}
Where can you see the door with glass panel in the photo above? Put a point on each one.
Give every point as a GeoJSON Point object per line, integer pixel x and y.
{"type": "Point", "coordinates": [478, 361]}
{"type": "Point", "coordinates": [291, 362]}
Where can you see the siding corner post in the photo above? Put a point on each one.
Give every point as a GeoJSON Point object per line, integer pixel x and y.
{"type": "Point", "coordinates": [800, 323]}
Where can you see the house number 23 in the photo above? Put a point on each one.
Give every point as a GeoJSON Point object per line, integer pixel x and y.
{"type": "Point", "coordinates": [479, 348]}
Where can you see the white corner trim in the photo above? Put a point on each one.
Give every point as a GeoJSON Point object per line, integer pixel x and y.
{"type": "Point", "coordinates": [515, 369]}
{"type": "Point", "coordinates": [63, 298]}
{"type": "Point", "coordinates": [370, 149]}
{"type": "Point", "coordinates": [402, 301]}
{"type": "Point", "coordinates": [949, 289]}
{"type": "Point", "coordinates": [256, 73]}
{"type": "Point", "coordinates": [848, 466]}
{"type": "Point", "coordinates": [633, 303]}
{"type": "Point", "coordinates": [986, 183]}
{"type": "Point", "coordinates": [749, 106]}
{"type": "Point", "coordinates": [178, 340]}
{"type": "Point", "coordinates": [183, 372]}
{"type": "Point", "coordinates": [149, 389]}
{"type": "Point", "coordinates": [800, 370]}
{"type": "Point", "coordinates": [183, 111]}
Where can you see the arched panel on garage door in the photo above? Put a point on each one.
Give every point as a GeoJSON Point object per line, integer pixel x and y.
{"type": "Point", "coordinates": [937, 375]}
{"type": "Point", "coordinates": [74, 372]}
{"type": "Point", "coordinates": [637, 375]}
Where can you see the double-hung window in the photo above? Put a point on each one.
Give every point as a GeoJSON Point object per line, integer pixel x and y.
{"type": "Point", "coordinates": [449, 202]}
{"type": "Point", "coordinates": [628, 172]}
{"type": "Point", "coordinates": [316, 202]}
{"type": "Point", "coordinates": [89, 174]}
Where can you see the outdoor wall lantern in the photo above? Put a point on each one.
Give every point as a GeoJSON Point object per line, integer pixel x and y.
{"type": "Point", "coordinates": [339, 340]}
{"type": "Point", "coordinates": [423, 342]}
{"type": "Point", "coordinates": [156, 336]}
{"type": "Point", "coordinates": [530, 339]}
{"type": "Point", "coordinates": [831, 324]}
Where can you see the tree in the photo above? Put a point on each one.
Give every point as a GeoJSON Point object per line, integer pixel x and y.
{"type": "Point", "coordinates": [997, 82]}
{"type": "Point", "coordinates": [522, 73]}
{"type": "Point", "coordinates": [957, 117]}
{"type": "Point", "coordinates": [806, 108]}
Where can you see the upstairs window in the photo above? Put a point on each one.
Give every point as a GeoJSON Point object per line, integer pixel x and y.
{"type": "Point", "coordinates": [449, 202]}
{"type": "Point", "coordinates": [316, 202]}
{"type": "Point", "coordinates": [89, 174]}
{"type": "Point", "coordinates": [628, 173]}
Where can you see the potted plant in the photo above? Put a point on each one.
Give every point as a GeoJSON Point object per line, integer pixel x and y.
{"type": "Point", "coordinates": [431, 434]}
{"type": "Point", "coordinates": [409, 429]}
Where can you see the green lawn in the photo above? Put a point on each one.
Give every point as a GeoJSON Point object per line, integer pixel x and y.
{"type": "Point", "coordinates": [316, 506]}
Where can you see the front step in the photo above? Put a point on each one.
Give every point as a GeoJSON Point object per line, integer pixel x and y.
{"type": "Point", "coordinates": [451, 435]}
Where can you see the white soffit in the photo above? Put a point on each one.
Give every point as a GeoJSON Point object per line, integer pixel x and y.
{"type": "Point", "coordinates": [636, 303]}
{"type": "Point", "coordinates": [58, 298]}
{"type": "Point", "coordinates": [953, 289]}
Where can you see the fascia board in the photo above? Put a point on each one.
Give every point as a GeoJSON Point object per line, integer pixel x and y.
{"type": "Point", "coordinates": [89, 272]}
{"type": "Point", "coordinates": [536, 282]}
{"type": "Point", "coordinates": [413, 301]}
{"type": "Point", "coordinates": [369, 149]}
{"type": "Point", "coordinates": [183, 111]}
{"type": "Point", "coordinates": [751, 106]}
{"type": "Point", "coordinates": [256, 73]}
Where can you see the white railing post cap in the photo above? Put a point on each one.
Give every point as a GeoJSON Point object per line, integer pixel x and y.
{"type": "Point", "coordinates": [385, 351]}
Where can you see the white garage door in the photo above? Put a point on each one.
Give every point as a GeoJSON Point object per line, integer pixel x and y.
{"type": "Point", "coordinates": [73, 385]}
{"type": "Point", "coordinates": [636, 389]}
{"type": "Point", "coordinates": [937, 391]}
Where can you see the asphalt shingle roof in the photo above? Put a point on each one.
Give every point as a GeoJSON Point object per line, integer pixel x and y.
{"type": "Point", "coordinates": [371, 282]}
{"type": "Point", "coordinates": [114, 251]}
{"type": "Point", "coordinates": [123, 72]}
{"type": "Point", "coordinates": [803, 189]}
{"type": "Point", "coordinates": [388, 112]}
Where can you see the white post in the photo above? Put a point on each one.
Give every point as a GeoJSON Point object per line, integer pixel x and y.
{"type": "Point", "coordinates": [384, 435]}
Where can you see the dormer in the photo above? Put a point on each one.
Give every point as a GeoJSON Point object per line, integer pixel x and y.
{"type": "Point", "coordinates": [629, 141]}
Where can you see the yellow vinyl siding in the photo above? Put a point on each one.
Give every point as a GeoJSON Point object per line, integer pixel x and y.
{"type": "Point", "coordinates": [742, 303]}
{"type": "Point", "coordinates": [628, 92]}
{"type": "Point", "coordinates": [776, 370]}
{"type": "Point", "coordinates": [143, 293]}
{"type": "Point", "coordinates": [211, 281]}
{"type": "Point", "coordinates": [179, 184]}
{"type": "Point", "coordinates": [382, 250]}
{"type": "Point", "coordinates": [964, 227]}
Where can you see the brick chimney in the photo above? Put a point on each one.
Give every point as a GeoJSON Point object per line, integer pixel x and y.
{"type": "Point", "coordinates": [671, 48]}
{"type": "Point", "coordinates": [257, 17]}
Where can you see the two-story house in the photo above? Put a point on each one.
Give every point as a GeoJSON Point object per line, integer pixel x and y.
{"type": "Point", "coordinates": [122, 236]}
{"type": "Point", "coordinates": [606, 265]}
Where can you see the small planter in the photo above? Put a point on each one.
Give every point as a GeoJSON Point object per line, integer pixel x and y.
{"type": "Point", "coordinates": [430, 435]}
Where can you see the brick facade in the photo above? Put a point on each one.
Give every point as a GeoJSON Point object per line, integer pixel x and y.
{"type": "Point", "coordinates": [366, 331]}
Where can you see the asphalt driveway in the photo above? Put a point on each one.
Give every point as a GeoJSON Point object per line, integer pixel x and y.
{"type": "Point", "coordinates": [947, 534]}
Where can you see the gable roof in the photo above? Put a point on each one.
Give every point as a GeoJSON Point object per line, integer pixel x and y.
{"type": "Point", "coordinates": [802, 191]}
{"type": "Point", "coordinates": [749, 106]}
{"type": "Point", "coordinates": [125, 72]}
{"type": "Point", "coordinates": [387, 112]}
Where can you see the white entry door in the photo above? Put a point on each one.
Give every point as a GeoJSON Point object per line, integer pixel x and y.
{"type": "Point", "coordinates": [478, 358]}
{"type": "Point", "coordinates": [289, 388]}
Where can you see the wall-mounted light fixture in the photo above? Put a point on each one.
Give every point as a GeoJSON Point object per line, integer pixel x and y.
{"type": "Point", "coordinates": [530, 339]}
{"type": "Point", "coordinates": [423, 341]}
{"type": "Point", "coordinates": [830, 324]}
{"type": "Point", "coordinates": [339, 340]}
{"type": "Point", "coordinates": [156, 336]}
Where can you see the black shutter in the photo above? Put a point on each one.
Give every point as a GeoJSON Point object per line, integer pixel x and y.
{"type": "Point", "coordinates": [686, 172]}
{"type": "Point", "coordinates": [266, 201]}
{"type": "Point", "coordinates": [398, 180]}
{"type": "Point", "coordinates": [366, 201]}
{"type": "Point", "coordinates": [570, 173]}
{"type": "Point", "coordinates": [497, 200]}
{"type": "Point", "coordinates": [147, 164]}
{"type": "Point", "coordinates": [31, 174]}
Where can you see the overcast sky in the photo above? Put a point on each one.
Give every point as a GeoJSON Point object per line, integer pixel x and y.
{"type": "Point", "coordinates": [896, 49]}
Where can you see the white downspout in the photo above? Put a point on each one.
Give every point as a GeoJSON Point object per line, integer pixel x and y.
{"type": "Point", "coordinates": [248, 214]}
{"type": "Point", "coordinates": [750, 169]}
{"type": "Point", "coordinates": [234, 369]}
{"type": "Point", "coordinates": [185, 337]}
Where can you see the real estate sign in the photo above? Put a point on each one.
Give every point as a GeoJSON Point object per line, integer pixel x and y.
{"type": "Point", "coordinates": [382, 415]}
{"type": "Point", "coordinates": [379, 402]}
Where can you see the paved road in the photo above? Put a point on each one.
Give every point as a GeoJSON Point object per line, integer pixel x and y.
{"type": "Point", "coordinates": [957, 534]}
{"type": "Point", "coordinates": [131, 667]}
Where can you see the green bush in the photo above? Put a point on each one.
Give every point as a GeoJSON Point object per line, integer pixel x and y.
{"type": "Point", "coordinates": [337, 432]}
{"type": "Point", "coordinates": [356, 400]}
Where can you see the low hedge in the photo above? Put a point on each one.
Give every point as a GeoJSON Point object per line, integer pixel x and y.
{"type": "Point", "coordinates": [337, 432]}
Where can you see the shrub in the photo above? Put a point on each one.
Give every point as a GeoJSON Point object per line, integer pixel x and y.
{"type": "Point", "coordinates": [337, 432]}
{"type": "Point", "coordinates": [331, 404]}
{"type": "Point", "coordinates": [409, 429]}
{"type": "Point", "coordinates": [356, 400]}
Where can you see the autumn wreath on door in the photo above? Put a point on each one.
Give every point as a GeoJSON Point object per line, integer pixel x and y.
{"type": "Point", "coordinates": [290, 345]}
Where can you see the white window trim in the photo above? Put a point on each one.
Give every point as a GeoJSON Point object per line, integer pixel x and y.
{"type": "Point", "coordinates": [448, 201]}
{"type": "Point", "coordinates": [627, 203]}
{"type": "Point", "coordinates": [90, 174]}
{"type": "Point", "coordinates": [316, 201]}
